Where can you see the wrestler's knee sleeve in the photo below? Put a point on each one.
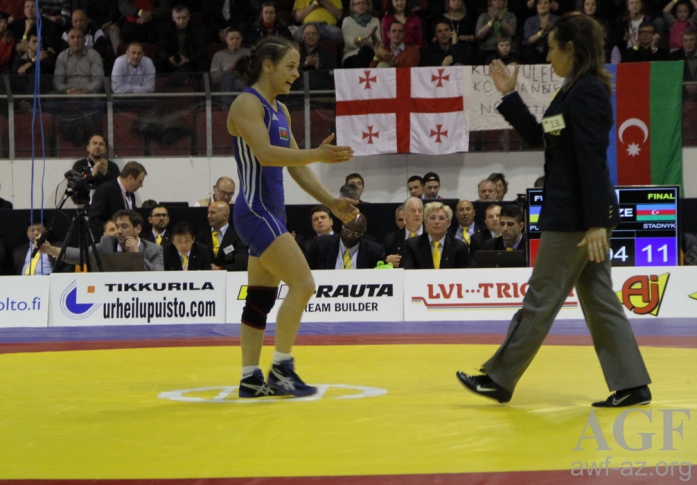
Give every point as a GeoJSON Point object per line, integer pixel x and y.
{"type": "Point", "coordinates": [260, 300]}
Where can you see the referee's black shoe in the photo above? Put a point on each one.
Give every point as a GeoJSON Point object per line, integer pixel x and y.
{"type": "Point", "coordinates": [635, 396]}
{"type": "Point", "coordinates": [484, 386]}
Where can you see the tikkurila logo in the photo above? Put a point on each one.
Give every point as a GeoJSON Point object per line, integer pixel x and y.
{"type": "Point", "coordinates": [642, 294]}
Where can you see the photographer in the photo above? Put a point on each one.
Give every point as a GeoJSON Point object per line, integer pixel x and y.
{"type": "Point", "coordinates": [102, 169]}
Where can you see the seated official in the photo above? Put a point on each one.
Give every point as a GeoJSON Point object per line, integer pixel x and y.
{"type": "Point", "coordinates": [493, 229]}
{"type": "Point", "coordinates": [413, 226]}
{"type": "Point", "coordinates": [159, 220]}
{"type": "Point", "coordinates": [128, 226]}
{"type": "Point", "coordinates": [349, 250]}
{"type": "Point", "coordinates": [466, 228]}
{"type": "Point", "coordinates": [225, 248]}
{"type": "Point", "coordinates": [436, 249]}
{"type": "Point", "coordinates": [183, 253]}
{"type": "Point", "coordinates": [109, 228]}
{"type": "Point", "coordinates": [24, 264]}
{"type": "Point", "coordinates": [512, 237]}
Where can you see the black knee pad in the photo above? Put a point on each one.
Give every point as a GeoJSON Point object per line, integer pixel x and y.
{"type": "Point", "coordinates": [260, 301]}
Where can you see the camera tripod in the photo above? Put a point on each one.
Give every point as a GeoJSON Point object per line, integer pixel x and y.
{"type": "Point", "coordinates": [80, 224]}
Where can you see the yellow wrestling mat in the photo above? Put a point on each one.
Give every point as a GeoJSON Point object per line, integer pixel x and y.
{"type": "Point", "coordinates": [383, 409]}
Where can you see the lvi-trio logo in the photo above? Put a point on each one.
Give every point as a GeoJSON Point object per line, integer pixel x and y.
{"type": "Point", "coordinates": [74, 309]}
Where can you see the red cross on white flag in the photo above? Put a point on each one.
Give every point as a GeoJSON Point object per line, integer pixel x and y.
{"type": "Point", "coordinates": [417, 110]}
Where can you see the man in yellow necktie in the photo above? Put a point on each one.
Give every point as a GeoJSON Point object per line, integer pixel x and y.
{"type": "Point", "coordinates": [159, 220]}
{"type": "Point", "coordinates": [435, 248]}
{"type": "Point", "coordinates": [464, 213]}
{"type": "Point", "coordinates": [226, 250]}
{"type": "Point", "coordinates": [24, 263]}
{"type": "Point", "coordinates": [512, 236]}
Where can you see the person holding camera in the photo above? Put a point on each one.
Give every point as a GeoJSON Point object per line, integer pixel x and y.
{"type": "Point", "coordinates": [96, 162]}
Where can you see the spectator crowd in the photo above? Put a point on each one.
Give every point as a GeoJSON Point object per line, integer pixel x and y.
{"type": "Point", "coordinates": [133, 40]}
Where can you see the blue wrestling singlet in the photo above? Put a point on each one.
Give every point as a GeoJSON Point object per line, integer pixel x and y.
{"type": "Point", "coordinates": [260, 214]}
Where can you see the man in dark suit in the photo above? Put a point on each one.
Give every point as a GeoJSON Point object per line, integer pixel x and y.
{"type": "Point", "coordinates": [225, 248]}
{"type": "Point", "coordinates": [159, 220]}
{"type": "Point", "coordinates": [181, 45]}
{"type": "Point", "coordinates": [465, 228]}
{"type": "Point", "coordinates": [512, 237]}
{"type": "Point", "coordinates": [349, 250]}
{"type": "Point", "coordinates": [115, 195]}
{"type": "Point", "coordinates": [492, 230]}
{"type": "Point", "coordinates": [128, 226]}
{"type": "Point", "coordinates": [436, 249]}
{"type": "Point", "coordinates": [102, 169]}
{"type": "Point", "coordinates": [688, 53]}
{"type": "Point", "coordinates": [140, 23]}
{"type": "Point", "coordinates": [315, 58]}
{"type": "Point", "coordinates": [24, 264]}
{"type": "Point", "coordinates": [648, 49]}
{"type": "Point", "coordinates": [183, 253]}
{"type": "Point", "coordinates": [394, 241]}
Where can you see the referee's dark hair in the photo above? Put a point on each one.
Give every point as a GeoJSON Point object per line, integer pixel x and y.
{"type": "Point", "coordinates": [513, 211]}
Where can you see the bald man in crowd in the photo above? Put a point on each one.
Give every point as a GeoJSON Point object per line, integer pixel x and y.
{"type": "Point", "coordinates": [223, 190]}
{"type": "Point", "coordinates": [227, 251]}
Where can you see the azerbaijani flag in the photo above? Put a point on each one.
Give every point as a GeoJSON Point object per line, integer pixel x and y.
{"type": "Point", "coordinates": [655, 212]}
{"type": "Point", "coordinates": [647, 106]}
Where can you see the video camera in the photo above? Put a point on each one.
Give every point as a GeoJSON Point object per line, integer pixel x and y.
{"type": "Point", "coordinates": [80, 182]}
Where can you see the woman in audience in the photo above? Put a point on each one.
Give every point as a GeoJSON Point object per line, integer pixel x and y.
{"type": "Point", "coordinates": [361, 32]}
{"type": "Point", "coordinates": [627, 25]}
{"type": "Point", "coordinates": [462, 22]}
{"type": "Point", "coordinates": [495, 23]}
{"type": "Point", "coordinates": [501, 183]}
{"type": "Point", "coordinates": [413, 29]}
{"type": "Point", "coordinates": [535, 33]}
{"type": "Point", "coordinates": [268, 24]}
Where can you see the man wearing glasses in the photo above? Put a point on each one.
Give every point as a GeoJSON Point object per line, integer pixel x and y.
{"type": "Point", "coordinates": [159, 220]}
{"type": "Point", "coordinates": [435, 248]}
{"type": "Point", "coordinates": [223, 190]}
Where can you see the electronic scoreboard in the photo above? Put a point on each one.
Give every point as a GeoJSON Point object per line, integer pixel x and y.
{"type": "Point", "coordinates": [648, 231]}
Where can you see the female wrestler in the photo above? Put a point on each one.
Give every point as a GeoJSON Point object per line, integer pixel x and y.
{"type": "Point", "coordinates": [263, 145]}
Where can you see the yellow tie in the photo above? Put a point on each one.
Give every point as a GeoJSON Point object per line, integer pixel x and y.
{"type": "Point", "coordinates": [158, 240]}
{"type": "Point", "coordinates": [412, 234]}
{"type": "Point", "coordinates": [347, 260]}
{"type": "Point", "coordinates": [31, 269]}
{"type": "Point", "coordinates": [436, 254]}
{"type": "Point", "coordinates": [185, 262]}
{"type": "Point", "coordinates": [216, 244]}
{"type": "Point", "coordinates": [509, 248]}
{"type": "Point", "coordinates": [465, 235]}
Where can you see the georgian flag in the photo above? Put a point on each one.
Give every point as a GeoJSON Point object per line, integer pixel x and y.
{"type": "Point", "coordinates": [416, 110]}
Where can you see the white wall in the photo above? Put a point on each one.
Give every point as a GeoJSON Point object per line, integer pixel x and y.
{"type": "Point", "coordinates": [190, 179]}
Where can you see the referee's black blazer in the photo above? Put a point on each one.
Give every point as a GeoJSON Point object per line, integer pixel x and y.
{"type": "Point", "coordinates": [578, 193]}
{"type": "Point", "coordinates": [199, 259]}
{"type": "Point", "coordinates": [106, 201]}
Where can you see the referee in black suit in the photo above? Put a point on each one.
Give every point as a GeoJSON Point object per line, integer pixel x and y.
{"type": "Point", "coordinates": [577, 218]}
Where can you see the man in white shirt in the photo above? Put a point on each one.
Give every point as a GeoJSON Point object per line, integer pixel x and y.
{"type": "Point", "coordinates": [133, 72]}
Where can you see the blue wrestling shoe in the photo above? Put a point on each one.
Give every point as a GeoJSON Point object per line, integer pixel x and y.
{"type": "Point", "coordinates": [254, 386]}
{"type": "Point", "coordinates": [282, 378]}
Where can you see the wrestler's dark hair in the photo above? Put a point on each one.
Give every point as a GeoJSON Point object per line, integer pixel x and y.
{"type": "Point", "coordinates": [586, 36]}
{"type": "Point", "coordinates": [269, 48]}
